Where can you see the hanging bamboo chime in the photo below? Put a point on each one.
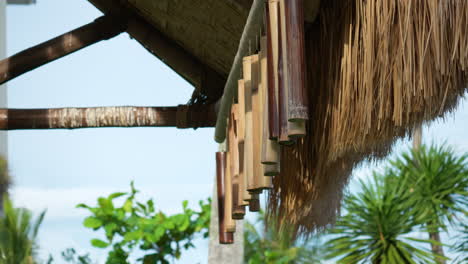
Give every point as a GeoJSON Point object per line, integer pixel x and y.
{"type": "Point", "coordinates": [269, 112]}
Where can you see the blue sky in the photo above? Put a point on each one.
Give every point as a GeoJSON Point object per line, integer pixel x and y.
{"type": "Point", "coordinates": [59, 169]}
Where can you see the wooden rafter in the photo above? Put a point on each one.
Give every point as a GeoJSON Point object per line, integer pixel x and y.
{"type": "Point", "coordinates": [181, 116]}
{"type": "Point", "coordinates": [103, 28]}
{"type": "Point", "coordinates": [204, 78]}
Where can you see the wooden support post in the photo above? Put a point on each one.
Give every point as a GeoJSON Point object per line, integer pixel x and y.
{"type": "Point", "coordinates": [124, 116]}
{"type": "Point", "coordinates": [224, 237]}
{"type": "Point", "coordinates": [103, 28]}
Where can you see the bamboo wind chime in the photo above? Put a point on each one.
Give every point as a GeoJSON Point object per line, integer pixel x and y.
{"type": "Point", "coordinates": [269, 112]}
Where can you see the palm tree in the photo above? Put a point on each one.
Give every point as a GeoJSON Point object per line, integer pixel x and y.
{"type": "Point", "coordinates": [438, 181]}
{"type": "Point", "coordinates": [378, 226]}
{"type": "Point", "coordinates": [461, 244]}
{"type": "Point", "coordinates": [18, 233]}
{"type": "Point", "coordinates": [274, 244]}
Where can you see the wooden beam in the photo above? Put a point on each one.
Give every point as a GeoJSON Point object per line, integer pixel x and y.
{"type": "Point", "coordinates": [204, 78]}
{"type": "Point", "coordinates": [181, 116]}
{"type": "Point", "coordinates": [101, 29]}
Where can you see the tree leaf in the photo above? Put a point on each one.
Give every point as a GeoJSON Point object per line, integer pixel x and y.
{"type": "Point", "coordinates": [92, 222]}
{"type": "Point", "coordinates": [99, 243]}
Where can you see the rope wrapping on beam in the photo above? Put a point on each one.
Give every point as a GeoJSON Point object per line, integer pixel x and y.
{"type": "Point", "coordinates": [251, 30]}
{"type": "Point", "coordinates": [181, 116]}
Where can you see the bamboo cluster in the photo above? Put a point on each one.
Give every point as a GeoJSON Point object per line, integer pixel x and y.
{"type": "Point", "coordinates": [269, 112]}
{"type": "Point", "coordinates": [375, 70]}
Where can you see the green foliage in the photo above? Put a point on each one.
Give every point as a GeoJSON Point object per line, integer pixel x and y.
{"type": "Point", "coordinates": [423, 190]}
{"type": "Point", "coordinates": [4, 177]}
{"type": "Point", "coordinates": [136, 225]}
{"type": "Point", "coordinates": [378, 226]}
{"type": "Point", "coordinates": [460, 247]}
{"type": "Point", "coordinates": [18, 232]}
{"type": "Point", "coordinates": [438, 181]}
{"type": "Point", "coordinates": [274, 244]}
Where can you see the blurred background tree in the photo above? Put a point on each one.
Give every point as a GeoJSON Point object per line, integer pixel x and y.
{"type": "Point", "coordinates": [267, 242]}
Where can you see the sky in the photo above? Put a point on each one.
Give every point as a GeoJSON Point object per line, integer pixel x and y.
{"type": "Point", "coordinates": [56, 170]}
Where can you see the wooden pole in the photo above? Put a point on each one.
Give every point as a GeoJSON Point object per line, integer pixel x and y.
{"type": "Point", "coordinates": [124, 116]}
{"type": "Point", "coordinates": [103, 28]}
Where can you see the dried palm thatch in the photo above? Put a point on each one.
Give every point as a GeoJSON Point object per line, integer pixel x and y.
{"type": "Point", "coordinates": [376, 69]}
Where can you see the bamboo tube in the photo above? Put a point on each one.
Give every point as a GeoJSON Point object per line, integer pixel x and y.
{"type": "Point", "coordinates": [271, 169]}
{"type": "Point", "coordinates": [272, 57]}
{"type": "Point", "coordinates": [296, 66]}
{"type": "Point", "coordinates": [288, 130]}
{"type": "Point", "coordinates": [258, 86]}
{"type": "Point", "coordinates": [244, 195]}
{"type": "Point", "coordinates": [254, 203]}
{"type": "Point", "coordinates": [248, 139]}
{"type": "Point", "coordinates": [238, 211]}
{"type": "Point", "coordinates": [229, 223]}
{"type": "Point", "coordinates": [224, 237]}
{"type": "Point", "coordinates": [282, 79]}
{"type": "Point", "coordinates": [270, 147]}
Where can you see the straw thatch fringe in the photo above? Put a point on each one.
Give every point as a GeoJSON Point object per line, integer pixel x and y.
{"type": "Point", "coordinates": [376, 69]}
